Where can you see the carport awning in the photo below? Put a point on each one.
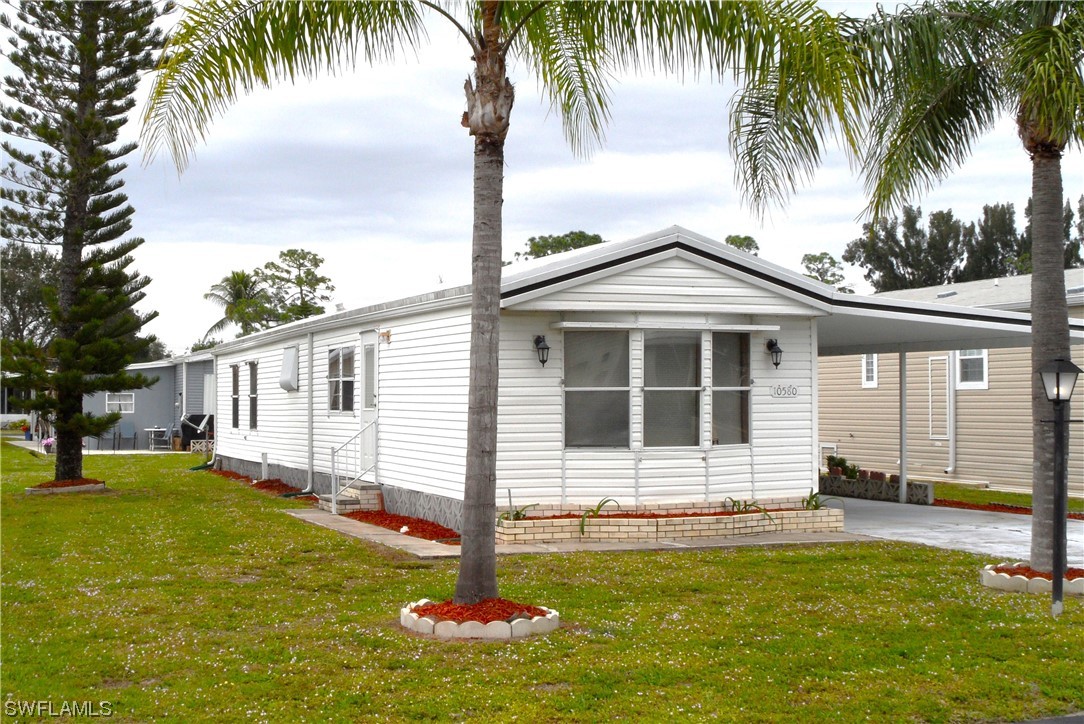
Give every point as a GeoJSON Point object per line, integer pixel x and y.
{"type": "Point", "coordinates": [864, 325]}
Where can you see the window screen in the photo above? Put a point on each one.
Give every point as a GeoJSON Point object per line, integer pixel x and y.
{"type": "Point", "coordinates": [596, 389]}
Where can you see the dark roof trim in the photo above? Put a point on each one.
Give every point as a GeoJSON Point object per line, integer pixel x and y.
{"type": "Point", "coordinates": [963, 313]}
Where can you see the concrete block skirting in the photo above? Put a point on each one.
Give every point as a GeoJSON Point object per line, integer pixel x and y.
{"type": "Point", "coordinates": [552, 530]}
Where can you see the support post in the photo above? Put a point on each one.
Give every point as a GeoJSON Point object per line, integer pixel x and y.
{"type": "Point", "coordinates": [903, 427]}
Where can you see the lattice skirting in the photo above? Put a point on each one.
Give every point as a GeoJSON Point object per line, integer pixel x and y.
{"type": "Point", "coordinates": [869, 489]}
{"type": "Point", "coordinates": [437, 508]}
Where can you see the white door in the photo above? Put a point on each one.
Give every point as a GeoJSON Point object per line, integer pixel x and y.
{"type": "Point", "coordinates": [369, 367]}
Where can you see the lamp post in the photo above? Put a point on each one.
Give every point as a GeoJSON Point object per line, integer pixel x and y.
{"type": "Point", "coordinates": [1059, 378]}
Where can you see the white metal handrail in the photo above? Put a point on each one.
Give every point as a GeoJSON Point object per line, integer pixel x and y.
{"type": "Point", "coordinates": [352, 454]}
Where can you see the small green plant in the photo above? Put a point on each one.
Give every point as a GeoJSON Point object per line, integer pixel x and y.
{"type": "Point", "coordinates": [516, 513]}
{"type": "Point", "coordinates": [746, 506]}
{"type": "Point", "coordinates": [816, 501]}
{"type": "Point", "coordinates": [838, 461]}
{"type": "Point", "coordinates": [594, 512]}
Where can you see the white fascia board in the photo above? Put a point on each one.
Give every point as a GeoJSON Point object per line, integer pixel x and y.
{"type": "Point", "coordinates": [668, 325]}
{"type": "Point", "coordinates": [372, 315]}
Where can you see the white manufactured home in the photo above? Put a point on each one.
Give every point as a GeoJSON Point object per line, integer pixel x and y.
{"type": "Point", "coordinates": [659, 386]}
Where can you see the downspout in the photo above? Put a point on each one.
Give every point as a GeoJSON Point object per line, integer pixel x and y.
{"type": "Point", "coordinates": [903, 426]}
{"type": "Point", "coordinates": [184, 391]}
{"type": "Point", "coordinates": [311, 479]}
{"type": "Point", "coordinates": [950, 412]}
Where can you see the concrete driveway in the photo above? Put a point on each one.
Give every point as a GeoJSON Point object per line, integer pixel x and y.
{"type": "Point", "coordinates": [1005, 536]}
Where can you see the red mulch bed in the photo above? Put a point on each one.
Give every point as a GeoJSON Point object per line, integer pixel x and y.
{"type": "Point", "coordinates": [417, 527]}
{"type": "Point", "coordinates": [274, 486]}
{"type": "Point", "coordinates": [487, 611]}
{"type": "Point", "coordinates": [70, 483]}
{"type": "Point", "coordinates": [1028, 572]}
{"type": "Point", "coordinates": [994, 507]}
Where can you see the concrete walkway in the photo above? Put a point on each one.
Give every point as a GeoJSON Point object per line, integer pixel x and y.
{"type": "Point", "coordinates": [1006, 536]}
{"type": "Point", "coordinates": [430, 550]}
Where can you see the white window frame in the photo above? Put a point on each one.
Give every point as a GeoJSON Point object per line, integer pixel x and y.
{"type": "Point", "coordinates": [984, 384]}
{"type": "Point", "coordinates": [868, 381]}
{"type": "Point", "coordinates": [253, 395]}
{"type": "Point", "coordinates": [747, 388]}
{"type": "Point", "coordinates": [122, 402]}
{"type": "Point", "coordinates": [340, 378]}
{"type": "Point", "coordinates": [626, 389]}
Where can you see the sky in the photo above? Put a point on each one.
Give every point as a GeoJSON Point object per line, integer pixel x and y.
{"type": "Point", "coordinates": [372, 171]}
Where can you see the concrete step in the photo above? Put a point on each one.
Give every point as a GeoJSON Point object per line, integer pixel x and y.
{"type": "Point", "coordinates": [346, 505]}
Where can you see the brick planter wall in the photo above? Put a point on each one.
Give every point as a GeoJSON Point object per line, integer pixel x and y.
{"type": "Point", "coordinates": [542, 530]}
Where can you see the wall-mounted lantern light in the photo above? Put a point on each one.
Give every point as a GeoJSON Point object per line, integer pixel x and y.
{"type": "Point", "coordinates": [1059, 378]}
{"type": "Point", "coordinates": [775, 351]}
{"type": "Point", "coordinates": [542, 348]}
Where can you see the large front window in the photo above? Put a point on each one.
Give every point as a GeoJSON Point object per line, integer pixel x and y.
{"type": "Point", "coordinates": [679, 386]}
{"type": "Point", "coordinates": [597, 389]}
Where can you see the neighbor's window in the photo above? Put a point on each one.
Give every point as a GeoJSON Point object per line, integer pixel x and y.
{"type": "Point", "coordinates": [671, 389]}
{"type": "Point", "coordinates": [252, 395]}
{"type": "Point", "coordinates": [730, 385]}
{"type": "Point", "coordinates": [123, 402]}
{"type": "Point", "coordinates": [235, 396]}
{"type": "Point", "coordinates": [971, 369]}
{"type": "Point", "coordinates": [596, 389]}
{"type": "Point", "coordinates": [340, 379]}
{"type": "Point", "coordinates": [869, 370]}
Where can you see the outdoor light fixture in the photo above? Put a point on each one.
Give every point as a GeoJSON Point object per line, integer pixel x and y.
{"type": "Point", "coordinates": [775, 351]}
{"type": "Point", "coordinates": [1059, 378]}
{"type": "Point", "coordinates": [543, 349]}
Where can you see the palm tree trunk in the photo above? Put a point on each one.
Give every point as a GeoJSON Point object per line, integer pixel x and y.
{"type": "Point", "coordinates": [1049, 340]}
{"type": "Point", "coordinates": [488, 108]}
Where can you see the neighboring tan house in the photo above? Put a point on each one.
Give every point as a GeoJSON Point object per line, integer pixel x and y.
{"type": "Point", "coordinates": [659, 386]}
{"type": "Point", "coordinates": [968, 410]}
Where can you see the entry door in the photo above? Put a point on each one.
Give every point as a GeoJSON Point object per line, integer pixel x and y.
{"type": "Point", "coordinates": [369, 369]}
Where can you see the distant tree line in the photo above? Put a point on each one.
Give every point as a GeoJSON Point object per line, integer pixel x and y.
{"type": "Point", "coordinates": [904, 254]}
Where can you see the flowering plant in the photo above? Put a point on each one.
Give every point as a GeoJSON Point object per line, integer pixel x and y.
{"type": "Point", "coordinates": [49, 441]}
{"type": "Point", "coordinates": [26, 428]}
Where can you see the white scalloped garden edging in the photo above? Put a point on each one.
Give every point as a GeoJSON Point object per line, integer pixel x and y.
{"type": "Point", "coordinates": [94, 488]}
{"type": "Point", "coordinates": [494, 631]}
{"type": "Point", "coordinates": [1022, 584]}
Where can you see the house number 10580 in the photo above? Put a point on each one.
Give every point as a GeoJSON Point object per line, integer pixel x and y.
{"type": "Point", "coordinates": [784, 391]}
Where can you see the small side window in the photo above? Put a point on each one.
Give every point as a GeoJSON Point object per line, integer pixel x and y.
{"type": "Point", "coordinates": [869, 370]}
{"type": "Point", "coordinates": [971, 369]}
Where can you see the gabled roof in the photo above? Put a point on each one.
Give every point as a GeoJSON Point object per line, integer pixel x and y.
{"type": "Point", "coordinates": [846, 323]}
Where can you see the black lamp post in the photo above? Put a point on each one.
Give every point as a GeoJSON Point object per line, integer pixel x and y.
{"type": "Point", "coordinates": [1059, 378]}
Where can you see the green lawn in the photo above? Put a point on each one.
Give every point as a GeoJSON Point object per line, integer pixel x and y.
{"type": "Point", "coordinates": [184, 596]}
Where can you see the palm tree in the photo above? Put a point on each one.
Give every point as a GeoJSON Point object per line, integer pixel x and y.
{"type": "Point", "coordinates": [949, 71]}
{"type": "Point", "coordinates": [222, 48]}
{"type": "Point", "coordinates": [244, 300]}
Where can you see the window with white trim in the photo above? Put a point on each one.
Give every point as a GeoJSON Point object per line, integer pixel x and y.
{"type": "Point", "coordinates": [596, 389]}
{"type": "Point", "coordinates": [971, 369]}
{"type": "Point", "coordinates": [235, 396]}
{"type": "Point", "coordinates": [671, 389]}
{"type": "Point", "coordinates": [869, 370]}
{"type": "Point", "coordinates": [340, 379]}
{"type": "Point", "coordinates": [676, 389]}
{"type": "Point", "coordinates": [369, 387]}
{"type": "Point", "coordinates": [253, 395]}
{"type": "Point", "coordinates": [122, 402]}
{"type": "Point", "coordinates": [730, 386]}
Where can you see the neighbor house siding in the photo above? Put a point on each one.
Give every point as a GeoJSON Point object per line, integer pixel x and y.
{"type": "Point", "coordinates": [992, 426]}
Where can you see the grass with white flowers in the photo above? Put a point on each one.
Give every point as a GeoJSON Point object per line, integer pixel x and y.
{"type": "Point", "coordinates": [184, 596]}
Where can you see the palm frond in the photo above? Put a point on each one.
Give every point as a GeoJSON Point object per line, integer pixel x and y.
{"type": "Point", "coordinates": [224, 48]}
